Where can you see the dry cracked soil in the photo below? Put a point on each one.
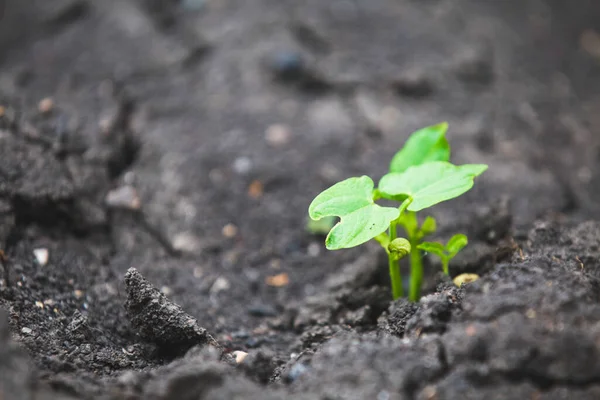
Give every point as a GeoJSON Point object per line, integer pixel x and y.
{"type": "Point", "coordinates": [157, 159]}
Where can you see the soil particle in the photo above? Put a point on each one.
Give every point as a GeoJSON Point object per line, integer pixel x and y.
{"type": "Point", "coordinates": [394, 320]}
{"type": "Point", "coordinates": [160, 321]}
{"type": "Point", "coordinates": [435, 311]}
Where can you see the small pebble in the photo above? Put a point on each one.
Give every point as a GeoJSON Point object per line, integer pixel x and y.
{"type": "Point", "coordinates": [229, 231]}
{"type": "Point", "coordinates": [242, 165]}
{"type": "Point", "coordinates": [471, 330]}
{"type": "Point", "coordinates": [42, 256]}
{"type": "Point", "coordinates": [127, 352]}
{"type": "Point", "coordinates": [239, 356]}
{"type": "Point", "coordinates": [278, 135]}
{"type": "Point", "coordinates": [256, 189]}
{"type": "Point", "coordinates": [78, 293]}
{"type": "Point", "coordinates": [167, 291]}
{"type": "Point", "coordinates": [125, 197]}
{"type": "Point", "coordinates": [186, 241]}
{"type": "Point", "coordinates": [219, 285]}
{"type": "Point", "coordinates": [26, 331]}
{"type": "Point", "coordinates": [39, 304]}
{"type": "Point", "coordinates": [429, 393]}
{"type": "Point", "coordinates": [46, 105]}
{"type": "Point", "coordinates": [49, 302]}
{"type": "Point", "coordinates": [278, 280]}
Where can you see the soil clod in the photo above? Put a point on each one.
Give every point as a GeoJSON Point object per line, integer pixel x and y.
{"type": "Point", "coordinates": [160, 321]}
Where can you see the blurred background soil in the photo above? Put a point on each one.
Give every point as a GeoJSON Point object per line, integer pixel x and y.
{"type": "Point", "coordinates": [187, 138]}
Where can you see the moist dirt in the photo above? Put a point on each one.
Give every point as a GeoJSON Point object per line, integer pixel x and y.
{"type": "Point", "coordinates": [157, 160]}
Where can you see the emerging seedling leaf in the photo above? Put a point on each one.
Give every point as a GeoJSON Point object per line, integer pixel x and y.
{"type": "Point", "coordinates": [425, 145]}
{"type": "Point", "coordinates": [429, 226]}
{"type": "Point", "coordinates": [430, 184]}
{"type": "Point", "coordinates": [361, 219]}
{"type": "Point", "coordinates": [434, 248]}
{"type": "Point", "coordinates": [447, 252]}
{"type": "Point", "coordinates": [456, 244]}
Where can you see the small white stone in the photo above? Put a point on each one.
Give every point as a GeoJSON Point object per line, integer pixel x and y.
{"type": "Point", "coordinates": [167, 291]}
{"type": "Point", "coordinates": [220, 285]}
{"type": "Point", "coordinates": [46, 105]}
{"type": "Point", "coordinates": [41, 255]}
{"type": "Point", "coordinates": [124, 197]}
{"type": "Point", "coordinates": [242, 165]}
{"type": "Point", "coordinates": [229, 231]}
{"type": "Point", "coordinates": [26, 331]}
{"type": "Point", "coordinates": [186, 241]}
{"type": "Point", "coordinates": [278, 135]}
{"type": "Point", "coordinates": [239, 356]}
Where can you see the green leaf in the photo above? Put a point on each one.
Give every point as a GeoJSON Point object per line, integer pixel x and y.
{"type": "Point", "coordinates": [456, 244]}
{"type": "Point", "coordinates": [429, 226]}
{"type": "Point", "coordinates": [342, 198]}
{"type": "Point", "coordinates": [360, 226]}
{"type": "Point", "coordinates": [425, 145]}
{"type": "Point", "coordinates": [433, 247]}
{"type": "Point", "coordinates": [431, 183]}
{"type": "Point", "coordinates": [361, 219]}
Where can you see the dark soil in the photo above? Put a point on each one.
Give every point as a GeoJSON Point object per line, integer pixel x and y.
{"type": "Point", "coordinates": [169, 178]}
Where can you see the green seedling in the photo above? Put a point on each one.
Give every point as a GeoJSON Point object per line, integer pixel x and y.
{"type": "Point", "coordinates": [446, 253]}
{"type": "Point", "coordinates": [420, 177]}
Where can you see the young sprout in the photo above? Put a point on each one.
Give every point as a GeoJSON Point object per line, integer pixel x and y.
{"type": "Point", "coordinates": [446, 253]}
{"type": "Point", "coordinates": [420, 177]}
